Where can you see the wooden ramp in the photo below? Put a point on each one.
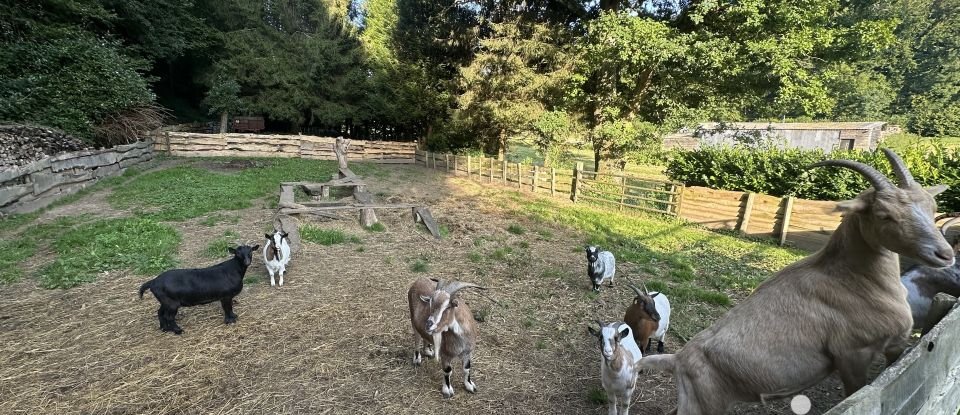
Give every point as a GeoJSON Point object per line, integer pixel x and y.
{"type": "Point", "coordinates": [422, 214]}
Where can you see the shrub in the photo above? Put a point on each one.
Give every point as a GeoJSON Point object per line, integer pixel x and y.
{"type": "Point", "coordinates": [781, 172]}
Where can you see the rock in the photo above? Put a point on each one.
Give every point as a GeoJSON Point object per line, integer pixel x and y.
{"type": "Point", "coordinates": [23, 144]}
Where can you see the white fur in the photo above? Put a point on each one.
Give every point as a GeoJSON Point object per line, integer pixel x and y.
{"type": "Point", "coordinates": [276, 266]}
{"type": "Point", "coordinates": [619, 384]}
{"type": "Point", "coordinates": [662, 303]}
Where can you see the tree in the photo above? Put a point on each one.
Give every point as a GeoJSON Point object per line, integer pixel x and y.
{"type": "Point", "coordinates": [223, 98]}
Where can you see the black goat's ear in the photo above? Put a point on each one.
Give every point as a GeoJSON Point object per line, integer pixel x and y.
{"type": "Point", "coordinates": [284, 234]}
{"type": "Point", "coordinates": [624, 333]}
{"type": "Point", "coordinates": [232, 251]}
{"type": "Point", "coordinates": [593, 332]}
{"type": "Point", "coordinates": [654, 295]}
{"type": "Point", "coordinates": [268, 236]}
{"type": "Point", "coordinates": [255, 247]}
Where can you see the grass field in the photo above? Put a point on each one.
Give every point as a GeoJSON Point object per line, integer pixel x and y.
{"type": "Point", "coordinates": [336, 337]}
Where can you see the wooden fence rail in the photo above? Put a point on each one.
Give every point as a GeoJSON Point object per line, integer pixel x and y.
{"type": "Point", "coordinates": [805, 224]}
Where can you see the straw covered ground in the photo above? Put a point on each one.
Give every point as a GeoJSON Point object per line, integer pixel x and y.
{"type": "Point", "coordinates": [336, 337]}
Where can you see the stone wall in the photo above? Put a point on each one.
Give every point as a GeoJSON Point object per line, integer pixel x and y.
{"type": "Point", "coordinates": [33, 186]}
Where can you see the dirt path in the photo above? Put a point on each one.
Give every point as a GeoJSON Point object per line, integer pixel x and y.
{"type": "Point", "coordinates": [336, 337]}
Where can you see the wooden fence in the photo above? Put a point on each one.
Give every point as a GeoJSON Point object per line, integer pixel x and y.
{"type": "Point", "coordinates": [806, 224]}
{"type": "Point", "coordinates": [270, 145]}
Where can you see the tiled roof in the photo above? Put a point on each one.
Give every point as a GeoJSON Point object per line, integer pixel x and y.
{"type": "Point", "coordinates": [799, 125]}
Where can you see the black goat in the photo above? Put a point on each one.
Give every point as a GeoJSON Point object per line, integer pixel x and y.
{"type": "Point", "coordinates": [189, 287]}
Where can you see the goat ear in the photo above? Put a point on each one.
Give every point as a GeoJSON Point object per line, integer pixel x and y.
{"type": "Point", "coordinates": [654, 295]}
{"type": "Point", "coordinates": [852, 205]}
{"type": "Point", "coordinates": [268, 236]}
{"type": "Point", "coordinates": [424, 298]}
{"type": "Point", "coordinates": [255, 247]}
{"type": "Point", "coordinates": [593, 332]}
{"type": "Point", "coordinates": [454, 303]}
{"type": "Point", "coordinates": [624, 333]}
{"type": "Point", "coordinates": [935, 190]}
{"type": "Point", "coordinates": [232, 251]}
{"type": "Point", "coordinates": [284, 234]}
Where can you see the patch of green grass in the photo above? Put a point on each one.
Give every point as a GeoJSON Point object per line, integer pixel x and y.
{"type": "Point", "coordinates": [12, 222]}
{"type": "Point", "coordinates": [420, 266]}
{"type": "Point", "coordinates": [544, 233]}
{"type": "Point", "coordinates": [541, 344]}
{"type": "Point", "coordinates": [141, 245]}
{"type": "Point", "coordinates": [216, 218]}
{"type": "Point", "coordinates": [12, 253]}
{"type": "Point", "coordinates": [217, 248]}
{"type": "Point", "coordinates": [501, 253]}
{"type": "Point", "coordinates": [322, 236]}
{"type": "Point", "coordinates": [444, 231]}
{"type": "Point", "coordinates": [377, 227]}
{"type": "Point", "coordinates": [360, 249]}
{"type": "Point", "coordinates": [523, 245]}
{"type": "Point", "coordinates": [516, 229]}
{"type": "Point", "coordinates": [251, 279]}
{"type": "Point", "coordinates": [475, 257]}
{"type": "Point", "coordinates": [528, 322]}
{"type": "Point", "coordinates": [186, 192]}
{"type": "Point", "coordinates": [597, 396]}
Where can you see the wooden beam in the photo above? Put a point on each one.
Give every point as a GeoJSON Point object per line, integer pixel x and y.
{"type": "Point", "coordinates": [747, 210]}
{"type": "Point", "coordinates": [785, 225]}
{"type": "Point", "coordinates": [422, 214]}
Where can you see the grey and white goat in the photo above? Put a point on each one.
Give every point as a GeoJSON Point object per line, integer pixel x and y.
{"type": "Point", "coordinates": [446, 323]}
{"type": "Point", "coordinates": [601, 266]}
{"type": "Point", "coordinates": [618, 355]}
{"type": "Point", "coordinates": [924, 282]}
{"type": "Point", "coordinates": [276, 254]}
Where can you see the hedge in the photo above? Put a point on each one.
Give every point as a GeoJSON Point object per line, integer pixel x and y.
{"type": "Point", "coordinates": [781, 172]}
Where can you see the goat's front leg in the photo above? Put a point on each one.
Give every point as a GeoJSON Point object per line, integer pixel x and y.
{"type": "Point", "coordinates": [417, 345]}
{"type": "Point", "coordinates": [273, 282]}
{"type": "Point", "coordinates": [436, 345]}
{"type": "Point", "coordinates": [447, 389]}
{"type": "Point", "coordinates": [228, 316]}
{"type": "Point", "coordinates": [612, 404]}
{"type": "Point", "coordinates": [282, 270]}
{"type": "Point", "coordinates": [467, 380]}
{"type": "Point", "coordinates": [853, 367]}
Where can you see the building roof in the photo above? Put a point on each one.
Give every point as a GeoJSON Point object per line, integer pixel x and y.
{"type": "Point", "coordinates": [869, 125]}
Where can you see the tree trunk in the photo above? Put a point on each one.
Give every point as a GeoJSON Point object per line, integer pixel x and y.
{"type": "Point", "coordinates": [596, 160]}
{"type": "Point", "coordinates": [502, 151]}
{"type": "Point", "coordinates": [223, 122]}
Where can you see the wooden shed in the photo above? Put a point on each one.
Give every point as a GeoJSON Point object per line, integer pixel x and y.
{"type": "Point", "coordinates": [827, 136]}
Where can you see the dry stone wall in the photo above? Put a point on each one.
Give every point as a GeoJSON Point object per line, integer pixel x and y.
{"type": "Point", "coordinates": [35, 185]}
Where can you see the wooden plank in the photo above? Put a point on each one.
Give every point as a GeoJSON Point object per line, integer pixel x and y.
{"type": "Point", "coordinates": [747, 210]}
{"type": "Point", "coordinates": [575, 184]}
{"type": "Point", "coordinates": [422, 214]}
{"type": "Point", "coordinates": [785, 225]}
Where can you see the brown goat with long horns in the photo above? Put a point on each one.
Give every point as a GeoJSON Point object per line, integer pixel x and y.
{"type": "Point", "coordinates": [446, 323]}
{"type": "Point", "coordinates": [835, 310]}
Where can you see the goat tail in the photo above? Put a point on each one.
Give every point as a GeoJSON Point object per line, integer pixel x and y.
{"type": "Point", "coordinates": [145, 287]}
{"type": "Point", "coordinates": [657, 363]}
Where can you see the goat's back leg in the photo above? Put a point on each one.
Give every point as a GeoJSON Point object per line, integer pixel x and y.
{"type": "Point", "coordinates": [273, 281]}
{"type": "Point", "coordinates": [447, 389]}
{"type": "Point", "coordinates": [282, 270]}
{"type": "Point", "coordinates": [699, 394]}
{"type": "Point", "coordinates": [612, 404]}
{"type": "Point", "coordinates": [649, 344]}
{"type": "Point", "coordinates": [660, 345]}
{"type": "Point", "coordinates": [228, 316]}
{"type": "Point", "coordinates": [171, 313]}
{"type": "Point", "coordinates": [467, 378]}
{"type": "Point", "coordinates": [162, 316]}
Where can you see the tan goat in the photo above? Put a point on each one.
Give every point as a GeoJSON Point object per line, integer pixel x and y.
{"type": "Point", "coordinates": [446, 323]}
{"type": "Point", "coordinates": [835, 310]}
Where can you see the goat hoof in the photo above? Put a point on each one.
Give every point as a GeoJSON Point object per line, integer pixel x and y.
{"type": "Point", "coordinates": [230, 320]}
{"type": "Point", "coordinates": [447, 393]}
{"type": "Point", "coordinates": [177, 330]}
{"type": "Point", "coordinates": [470, 387]}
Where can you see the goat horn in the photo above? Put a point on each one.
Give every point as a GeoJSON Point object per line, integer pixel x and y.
{"type": "Point", "coordinates": [455, 286]}
{"type": "Point", "coordinates": [904, 178]}
{"type": "Point", "coordinates": [877, 179]}
{"type": "Point", "coordinates": [946, 225]}
{"type": "Point", "coordinates": [636, 290]}
{"type": "Point", "coordinates": [599, 323]}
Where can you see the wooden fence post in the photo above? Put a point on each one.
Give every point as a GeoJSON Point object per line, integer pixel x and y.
{"type": "Point", "coordinates": [434, 161]}
{"type": "Point", "coordinates": [785, 226]}
{"type": "Point", "coordinates": [491, 169]}
{"type": "Point", "coordinates": [520, 176]}
{"type": "Point", "coordinates": [468, 165]}
{"type": "Point", "coordinates": [446, 162]}
{"type": "Point", "coordinates": [456, 165]}
{"type": "Point", "coordinates": [623, 192]}
{"type": "Point", "coordinates": [575, 186]}
{"type": "Point", "coordinates": [747, 210]}
{"type": "Point", "coordinates": [536, 176]}
{"type": "Point", "coordinates": [553, 181]}
{"type": "Point", "coordinates": [504, 172]}
{"type": "Point", "coordinates": [167, 134]}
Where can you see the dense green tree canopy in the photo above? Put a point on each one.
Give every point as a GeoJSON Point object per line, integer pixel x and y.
{"type": "Point", "coordinates": [615, 74]}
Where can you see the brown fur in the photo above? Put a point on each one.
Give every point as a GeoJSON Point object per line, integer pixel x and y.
{"type": "Point", "coordinates": [835, 310]}
{"type": "Point", "coordinates": [639, 319]}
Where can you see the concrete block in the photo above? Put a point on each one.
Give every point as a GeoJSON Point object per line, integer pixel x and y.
{"type": "Point", "coordinates": [11, 194]}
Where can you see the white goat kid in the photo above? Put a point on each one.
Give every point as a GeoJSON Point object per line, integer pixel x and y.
{"type": "Point", "coordinates": [276, 255]}
{"type": "Point", "coordinates": [601, 266]}
{"type": "Point", "coordinates": [619, 353]}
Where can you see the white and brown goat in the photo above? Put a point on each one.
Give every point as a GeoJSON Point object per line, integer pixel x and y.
{"type": "Point", "coordinates": [618, 355]}
{"type": "Point", "coordinates": [276, 254]}
{"type": "Point", "coordinates": [446, 323]}
{"type": "Point", "coordinates": [923, 282]}
{"type": "Point", "coordinates": [835, 310]}
{"type": "Point", "coordinates": [649, 317]}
